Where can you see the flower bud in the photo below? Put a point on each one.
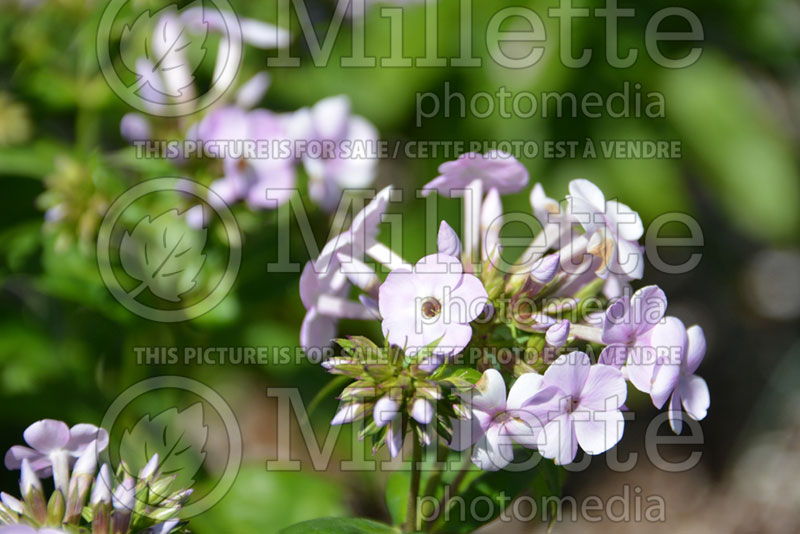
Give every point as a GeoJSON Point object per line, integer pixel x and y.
{"type": "Point", "coordinates": [149, 469]}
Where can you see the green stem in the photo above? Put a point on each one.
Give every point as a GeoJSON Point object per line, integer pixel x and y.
{"type": "Point", "coordinates": [413, 493]}
{"type": "Point", "coordinates": [325, 392]}
{"type": "Point", "coordinates": [452, 490]}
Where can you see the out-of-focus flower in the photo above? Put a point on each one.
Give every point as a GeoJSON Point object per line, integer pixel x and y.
{"type": "Point", "coordinates": [691, 391]}
{"type": "Point", "coordinates": [54, 447]}
{"type": "Point", "coordinates": [494, 169]}
{"type": "Point", "coordinates": [148, 504]}
{"type": "Point", "coordinates": [347, 160]}
{"type": "Point", "coordinates": [324, 283]}
{"type": "Point", "coordinates": [629, 319]}
{"type": "Point", "coordinates": [262, 180]}
{"type": "Point", "coordinates": [74, 204]}
{"type": "Point", "coordinates": [135, 127]}
{"type": "Point", "coordinates": [432, 303]}
{"type": "Point", "coordinates": [612, 232]}
{"type": "Point", "coordinates": [470, 177]}
{"type": "Point", "coordinates": [253, 32]}
{"type": "Point", "coordinates": [15, 124]}
{"type": "Point", "coordinates": [586, 410]}
{"type": "Point", "coordinates": [498, 422]}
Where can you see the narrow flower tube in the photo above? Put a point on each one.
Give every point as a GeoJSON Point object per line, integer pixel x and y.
{"type": "Point", "coordinates": [123, 501]}
{"type": "Point", "coordinates": [80, 483]}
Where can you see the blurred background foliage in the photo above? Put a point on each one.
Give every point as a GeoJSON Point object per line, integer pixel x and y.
{"type": "Point", "coordinates": [67, 347]}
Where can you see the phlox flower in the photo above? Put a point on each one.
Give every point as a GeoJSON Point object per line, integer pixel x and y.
{"type": "Point", "coordinates": [654, 361]}
{"type": "Point", "coordinates": [54, 447]}
{"type": "Point", "coordinates": [497, 421]}
{"type": "Point", "coordinates": [349, 161]}
{"type": "Point", "coordinates": [628, 320]}
{"type": "Point", "coordinates": [612, 232]}
{"type": "Point", "coordinates": [433, 302]}
{"type": "Point", "coordinates": [691, 391]}
{"type": "Point", "coordinates": [585, 411]}
{"type": "Point", "coordinates": [326, 281]}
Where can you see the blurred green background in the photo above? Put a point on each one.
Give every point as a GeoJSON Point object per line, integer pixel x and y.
{"type": "Point", "coordinates": [66, 346]}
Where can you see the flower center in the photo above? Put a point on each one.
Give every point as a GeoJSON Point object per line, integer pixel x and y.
{"type": "Point", "coordinates": [431, 307]}
{"type": "Point", "coordinates": [572, 403]}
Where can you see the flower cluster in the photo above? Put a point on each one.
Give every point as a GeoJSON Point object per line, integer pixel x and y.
{"type": "Point", "coordinates": [85, 499]}
{"type": "Point", "coordinates": [560, 325]}
{"type": "Point", "coordinates": [260, 150]}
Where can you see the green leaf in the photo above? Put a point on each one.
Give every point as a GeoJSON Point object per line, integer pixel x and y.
{"type": "Point", "coordinates": [397, 488]}
{"type": "Point", "coordinates": [339, 526]}
{"type": "Point", "coordinates": [460, 377]}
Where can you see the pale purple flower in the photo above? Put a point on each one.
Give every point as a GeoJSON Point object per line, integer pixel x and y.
{"type": "Point", "coordinates": [558, 334]}
{"type": "Point", "coordinates": [494, 169]}
{"type": "Point", "coordinates": [612, 230]}
{"type": "Point", "coordinates": [135, 127]}
{"type": "Point", "coordinates": [348, 159]}
{"type": "Point", "coordinates": [433, 302]}
{"type": "Point", "coordinates": [447, 241]}
{"type": "Point", "coordinates": [263, 180]}
{"type": "Point", "coordinates": [253, 32]}
{"type": "Point", "coordinates": [54, 447]}
{"type": "Point", "coordinates": [498, 422]}
{"type": "Point", "coordinates": [654, 361]}
{"type": "Point", "coordinates": [586, 410]}
{"type": "Point", "coordinates": [491, 222]}
{"type": "Point", "coordinates": [629, 319]}
{"type": "Point", "coordinates": [253, 90]}
{"type": "Point", "coordinates": [546, 209]}
{"type": "Point", "coordinates": [692, 390]}
{"type": "Point", "coordinates": [469, 177]}
{"type": "Point", "coordinates": [325, 282]}
{"type": "Point", "coordinates": [556, 228]}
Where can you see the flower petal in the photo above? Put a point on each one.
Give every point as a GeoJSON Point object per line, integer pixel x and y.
{"type": "Point", "coordinates": [648, 306]}
{"type": "Point", "coordinates": [82, 435]}
{"type": "Point", "coordinates": [623, 221]}
{"type": "Point", "coordinates": [558, 441]}
{"type": "Point", "coordinates": [465, 433]}
{"type": "Point", "coordinates": [675, 412]}
{"type": "Point", "coordinates": [385, 410]}
{"type": "Point", "coordinates": [394, 437]}
{"type": "Point", "coordinates": [597, 431]}
{"type": "Point", "coordinates": [489, 394]}
{"type": "Point", "coordinates": [569, 373]}
{"type": "Point", "coordinates": [695, 349]}
{"type": "Point", "coordinates": [422, 411]}
{"type": "Point", "coordinates": [524, 388]}
{"type": "Point", "coordinates": [494, 450]}
{"type": "Point", "coordinates": [47, 435]}
{"type": "Point", "coordinates": [317, 330]}
{"type": "Point", "coordinates": [695, 397]}
{"type": "Point", "coordinates": [604, 389]}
